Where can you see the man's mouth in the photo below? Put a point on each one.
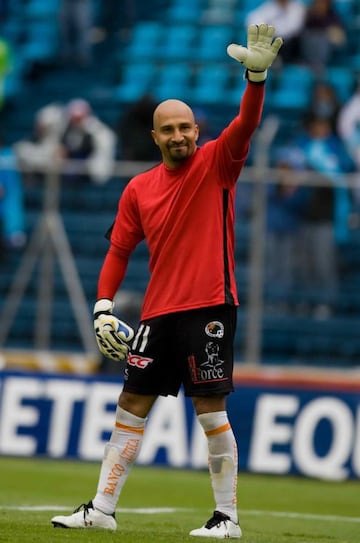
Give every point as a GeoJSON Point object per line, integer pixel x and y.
{"type": "Point", "coordinates": [182, 146]}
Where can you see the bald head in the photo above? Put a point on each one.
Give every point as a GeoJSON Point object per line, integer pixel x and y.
{"type": "Point", "coordinates": [171, 108]}
{"type": "Point", "coordinates": [175, 132]}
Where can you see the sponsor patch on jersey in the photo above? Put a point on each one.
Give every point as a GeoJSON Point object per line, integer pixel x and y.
{"type": "Point", "coordinates": [215, 329]}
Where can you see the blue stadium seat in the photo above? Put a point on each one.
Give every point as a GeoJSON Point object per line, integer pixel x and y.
{"type": "Point", "coordinates": [234, 95]}
{"type": "Point", "coordinates": [240, 36]}
{"type": "Point", "coordinates": [42, 41]}
{"type": "Point", "coordinates": [213, 41]}
{"type": "Point", "coordinates": [178, 42]}
{"type": "Point", "coordinates": [237, 88]}
{"type": "Point", "coordinates": [144, 41]}
{"type": "Point", "coordinates": [293, 88]}
{"type": "Point", "coordinates": [342, 78]}
{"type": "Point", "coordinates": [210, 84]}
{"type": "Point", "coordinates": [136, 80]}
{"type": "Point", "coordinates": [345, 8]}
{"type": "Point", "coordinates": [173, 82]}
{"type": "Point", "coordinates": [11, 29]}
{"type": "Point", "coordinates": [220, 12]}
{"type": "Point", "coordinates": [184, 12]}
{"type": "Point", "coordinates": [41, 9]}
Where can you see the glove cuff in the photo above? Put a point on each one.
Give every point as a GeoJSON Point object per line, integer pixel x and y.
{"type": "Point", "coordinates": [103, 306]}
{"type": "Point", "coordinates": [256, 77]}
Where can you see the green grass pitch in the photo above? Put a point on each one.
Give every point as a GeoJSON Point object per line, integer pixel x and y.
{"type": "Point", "coordinates": [163, 505]}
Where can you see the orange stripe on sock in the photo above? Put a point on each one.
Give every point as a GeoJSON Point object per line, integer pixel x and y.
{"type": "Point", "coordinates": [132, 429]}
{"type": "Point", "coordinates": [218, 430]}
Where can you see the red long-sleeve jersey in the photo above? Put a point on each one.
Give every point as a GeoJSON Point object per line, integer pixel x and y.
{"type": "Point", "coordinates": [186, 216]}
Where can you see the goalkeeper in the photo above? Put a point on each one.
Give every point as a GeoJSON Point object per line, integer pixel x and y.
{"type": "Point", "coordinates": [184, 209]}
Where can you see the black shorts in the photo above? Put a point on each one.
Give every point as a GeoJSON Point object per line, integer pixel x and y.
{"type": "Point", "coordinates": [190, 348]}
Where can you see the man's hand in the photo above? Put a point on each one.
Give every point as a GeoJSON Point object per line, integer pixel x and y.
{"type": "Point", "coordinates": [112, 335]}
{"type": "Point", "coordinates": [260, 53]}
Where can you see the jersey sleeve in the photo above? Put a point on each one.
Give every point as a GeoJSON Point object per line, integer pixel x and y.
{"type": "Point", "coordinates": [230, 150]}
{"type": "Point", "coordinates": [126, 233]}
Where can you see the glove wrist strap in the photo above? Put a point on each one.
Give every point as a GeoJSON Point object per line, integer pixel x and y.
{"type": "Point", "coordinates": [103, 306]}
{"type": "Point", "coordinates": [256, 77]}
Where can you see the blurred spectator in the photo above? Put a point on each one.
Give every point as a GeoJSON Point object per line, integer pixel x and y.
{"type": "Point", "coordinates": [72, 132]}
{"type": "Point", "coordinates": [287, 16]}
{"type": "Point", "coordinates": [286, 202]}
{"type": "Point", "coordinates": [349, 130]}
{"type": "Point", "coordinates": [325, 153]}
{"type": "Point", "coordinates": [76, 20]}
{"type": "Point", "coordinates": [322, 35]}
{"type": "Point", "coordinates": [37, 155]}
{"type": "Point", "coordinates": [319, 265]}
{"type": "Point", "coordinates": [86, 138]}
{"type": "Point", "coordinates": [134, 129]}
{"type": "Point", "coordinates": [12, 219]}
{"type": "Point", "coordinates": [324, 103]}
{"type": "Point", "coordinates": [327, 213]}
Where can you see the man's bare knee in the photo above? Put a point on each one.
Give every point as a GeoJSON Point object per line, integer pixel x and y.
{"type": "Point", "coordinates": [137, 404]}
{"type": "Point", "coordinates": [209, 404]}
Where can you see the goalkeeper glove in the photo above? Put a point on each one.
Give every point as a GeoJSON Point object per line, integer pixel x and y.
{"type": "Point", "coordinates": [112, 335]}
{"type": "Point", "coordinates": [260, 53]}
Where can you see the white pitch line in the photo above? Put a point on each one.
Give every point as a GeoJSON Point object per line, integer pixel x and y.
{"type": "Point", "coordinates": [136, 511]}
{"type": "Point", "coordinates": [302, 516]}
{"type": "Point", "coordinates": [161, 510]}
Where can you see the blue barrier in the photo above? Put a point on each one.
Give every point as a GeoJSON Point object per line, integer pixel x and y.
{"type": "Point", "coordinates": [311, 430]}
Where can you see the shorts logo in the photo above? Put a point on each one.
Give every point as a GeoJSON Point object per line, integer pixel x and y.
{"type": "Point", "coordinates": [215, 329]}
{"type": "Point", "coordinates": [139, 361]}
{"type": "Point", "coordinates": [211, 370]}
{"type": "Point", "coordinates": [212, 353]}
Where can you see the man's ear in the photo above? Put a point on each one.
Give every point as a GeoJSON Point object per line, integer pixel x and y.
{"type": "Point", "coordinates": [153, 134]}
{"type": "Point", "coordinates": [198, 132]}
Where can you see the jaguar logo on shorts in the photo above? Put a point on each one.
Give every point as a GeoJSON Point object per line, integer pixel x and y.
{"type": "Point", "coordinates": [215, 329]}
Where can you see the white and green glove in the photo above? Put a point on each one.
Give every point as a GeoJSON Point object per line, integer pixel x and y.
{"type": "Point", "coordinates": [112, 335]}
{"type": "Point", "coordinates": [260, 53]}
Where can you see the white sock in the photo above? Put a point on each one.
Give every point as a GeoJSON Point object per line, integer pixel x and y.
{"type": "Point", "coordinates": [119, 455]}
{"type": "Point", "coordinates": [223, 461]}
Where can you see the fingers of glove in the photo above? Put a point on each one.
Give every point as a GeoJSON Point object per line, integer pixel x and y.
{"type": "Point", "coordinates": [275, 46]}
{"type": "Point", "coordinates": [252, 35]}
{"type": "Point", "coordinates": [108, 350]}
{"type": "Point", "coordinates": [113, 339]}
{"type": "Point", "coordinates": [266, 33]}
{"type": "Point", "coordinates": [238, 52]}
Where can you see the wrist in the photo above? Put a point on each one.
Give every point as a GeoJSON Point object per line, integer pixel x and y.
{"type": "Point", "coordinates": [256, 77]}
{"type": "Point", "coordinates": [103, 305]}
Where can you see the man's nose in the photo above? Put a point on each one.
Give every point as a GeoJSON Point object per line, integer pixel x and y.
{"type": "Point", "coordinates": [178, 135]}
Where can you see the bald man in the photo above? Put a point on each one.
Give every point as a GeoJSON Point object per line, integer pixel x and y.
{"type": "Point", "coordinates": [184, 209]}
{"type": "Point", "coordinates": [175, 132]}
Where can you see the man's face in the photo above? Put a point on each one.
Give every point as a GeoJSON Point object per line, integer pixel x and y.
{"type": "Point", "coordinates": [175, 132]}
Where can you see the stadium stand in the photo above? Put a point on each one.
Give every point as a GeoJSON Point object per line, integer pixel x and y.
{"type": "Point", "coordinates": [150, 58]}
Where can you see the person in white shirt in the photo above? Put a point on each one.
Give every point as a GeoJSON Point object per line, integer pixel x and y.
{"type": "Point", "coordinates": [288, 16]}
